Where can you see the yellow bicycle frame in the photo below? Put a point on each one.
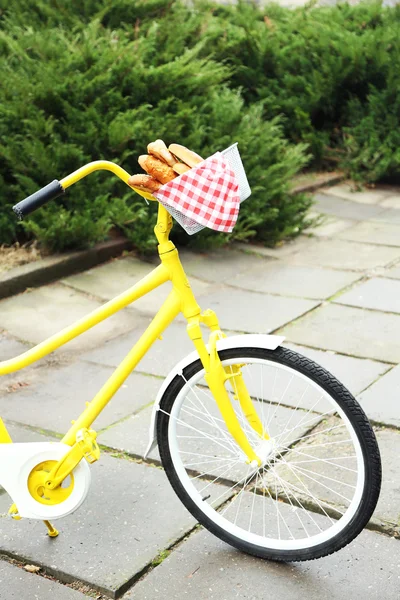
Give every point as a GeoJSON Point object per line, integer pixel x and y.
{"type": "Point", "coordinates": [181, 299]}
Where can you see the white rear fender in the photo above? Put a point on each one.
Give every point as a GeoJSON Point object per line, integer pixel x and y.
{"type": "Point", "coordinates": [268, 342]}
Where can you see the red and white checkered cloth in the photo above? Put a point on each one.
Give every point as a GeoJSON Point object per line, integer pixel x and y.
{"type": "Point", "coordinates": [208, 194]}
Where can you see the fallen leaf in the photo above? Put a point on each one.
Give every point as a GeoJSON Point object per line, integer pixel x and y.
{"type": "Point", "coordinates": [31, 568]}
{"type": "Point", "coordinates": [14, 387]}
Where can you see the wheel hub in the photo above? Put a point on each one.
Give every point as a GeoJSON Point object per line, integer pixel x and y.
{"type": "Point", "coordinates": [264, 450]}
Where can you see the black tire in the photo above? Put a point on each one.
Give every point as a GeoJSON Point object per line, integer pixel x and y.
{"type": "Point", "coordinates": [359, 423]}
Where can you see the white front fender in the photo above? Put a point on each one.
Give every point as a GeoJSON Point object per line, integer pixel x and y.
{"type": "Point", "coordinates": [268, 342]}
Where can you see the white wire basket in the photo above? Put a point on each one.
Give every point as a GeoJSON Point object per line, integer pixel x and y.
{"type": "Point", "coordinates": [232, 156]}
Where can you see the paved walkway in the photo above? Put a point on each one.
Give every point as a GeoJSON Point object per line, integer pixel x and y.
{"type": "Point", "coordinates": [334, 294]}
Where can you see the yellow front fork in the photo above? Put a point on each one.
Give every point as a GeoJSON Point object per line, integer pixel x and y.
{"type": "Point", "coordinates": [234, 374]}
{"type": "Point", "coordinates": [216, 377]}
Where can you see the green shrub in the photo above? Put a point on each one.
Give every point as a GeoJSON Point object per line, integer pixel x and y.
{"type": "Point", "coordinates": [95, 92]}
{"type": "Point", "coordinates": [311, 66]}
{"type": "Point", "coordinates": [100, 78]}
{"type": "Point", "coordinates": [373, 143]}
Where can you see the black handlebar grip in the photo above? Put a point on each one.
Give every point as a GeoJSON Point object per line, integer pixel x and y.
{"type": "Point", "coordinates": [36, 200]}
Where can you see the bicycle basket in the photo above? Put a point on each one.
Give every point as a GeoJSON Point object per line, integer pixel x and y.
{"type": "Point", "coordinates": [232, 156]}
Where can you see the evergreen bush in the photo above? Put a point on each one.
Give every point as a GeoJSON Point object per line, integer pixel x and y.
{"type": "Point", "coordinates": [90, 79]}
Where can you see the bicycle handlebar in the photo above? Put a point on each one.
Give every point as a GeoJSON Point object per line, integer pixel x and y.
{"type": "Point", "coordinates": [36, 200]}
{"type": "Point", "coordinates": [57, 188]}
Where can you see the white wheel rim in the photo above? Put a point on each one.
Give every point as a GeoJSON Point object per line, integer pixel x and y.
{"type": "Point", "coordinates": [218, 518]}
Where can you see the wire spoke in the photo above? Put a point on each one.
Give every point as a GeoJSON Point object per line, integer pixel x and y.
{"type": "Point", "coordinates": [295, 495]}
{"type": "Point", "coordinates": [302, 470]}
{"type": "Point", "coordinates": [206, 436]}
{"type": "Point", "coordinates": [326, 487]}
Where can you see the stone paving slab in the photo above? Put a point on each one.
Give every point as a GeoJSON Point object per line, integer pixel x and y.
{"type": "Point", "coordinates": [372, 232]}
{"type": "Point", "coordinates": [381, 400]}
{"type": "Point", "coordinates": [394, 272]}
{"type": "Point", "coordinates": [330, 226]}
{"type": "Point", "coordinates": [377, 293]}
{"type": "Point", "coordinates": [9, 347]}
{"type": "Point", "coordinates": [113, 278]}
{"type": "Point", "coordinates": [261, 313]}
{"type": "Point", "coordinates": [354, 331]}
{"type": "Point", "coordinates": [290, 280]}
{"type": "Point", "coordinates": [19, 433]}
{"type": "Point", "coordinates": [129, 516]}
{"type": "Point", "coordinates": [387, 512]}
{"type": "Point", "coordinates": [226, 264]}
{"type": "Point", "coordinates": [207, 569]}
{"type": "Point", "coordinates": [347, 191]}
{"type": "Point", "coordinates": [341, 254]}
{"type": "Point", "coordinates": [345, 209]}
{"type": "Point", "coordinates": [36, 315]}
{"type": "Point", "coordinates": [391, 202]}
{"type": "Point", "coordinates": [355, 373]}
{"type": "Point", "coordinates": [59, 395]}
{"type": "Point", "coordinates": [161, 358]}
{"type": "Point", "coordinates": [132, 435]}
{"type": "Point", "coordinates": [279, 252]}
{"type": "Point", "coordinates": [15, 583]}
{"type": "Point", "coordinates": [328, 442]}
{"type": "Point", "coordinates": [251, 312]}
{"type": "Point", "coordinates": [389, 216]}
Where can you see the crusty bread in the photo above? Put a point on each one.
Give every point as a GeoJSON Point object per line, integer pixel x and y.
{"type": "Point", "coordinates": [160, 151]}
{"type": "Point", "coordinates": [185, 155]}
{"type": "Point", "coordinates": [180, 168]}
{"type": "Point", "coordinates": [156, 168]}
{"type": "Point", "coordinates": [146, 183]}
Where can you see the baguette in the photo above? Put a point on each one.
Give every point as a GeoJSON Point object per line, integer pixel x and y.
{"type": "Point", "coordinates": [156, 168]}
{"type": "Point", "coordinates": [160, 151]}
{"type": "Point", "coordinates": [180, 168]}
{"type": "Point", "coordinates": [185, 155]}
{"type": "Point", "coordinates": [146, 183]}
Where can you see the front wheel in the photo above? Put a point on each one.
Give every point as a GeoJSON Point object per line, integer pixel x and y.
{"type": "Point", "coordinates": [320, 477]}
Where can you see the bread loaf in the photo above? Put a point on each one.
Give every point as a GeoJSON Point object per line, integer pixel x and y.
{"type": "Point", "coordinates": [146, 183]}
{"type": "Point", "coordinates": [160, 151]}
{"type": "Point", "coordinates": [185, 155]}
{"type": "Point", "coordinates": [156, 168]}
{"type": "Point", "coordinates": [180, 168]}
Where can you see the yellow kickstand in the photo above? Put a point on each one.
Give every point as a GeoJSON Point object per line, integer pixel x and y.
{"type": "Point", "coordinates": [52, 531]}
{"type": "Point", "coordinates": [13, 512]}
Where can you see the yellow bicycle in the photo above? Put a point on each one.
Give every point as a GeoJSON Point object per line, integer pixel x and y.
{"type": "Point", "coordinates": [264, 447]}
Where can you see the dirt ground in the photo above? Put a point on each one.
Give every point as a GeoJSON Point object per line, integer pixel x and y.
{"type": "Point", "coordinates": [13, 256]}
